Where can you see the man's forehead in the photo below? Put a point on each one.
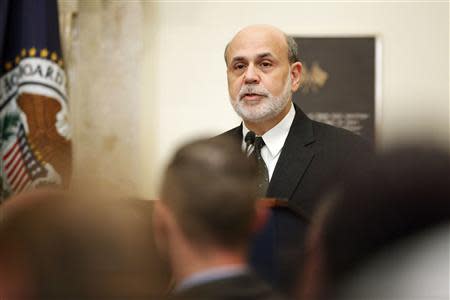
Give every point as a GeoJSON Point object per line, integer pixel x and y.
{"type": "Point", "coordinates": [255, 42]}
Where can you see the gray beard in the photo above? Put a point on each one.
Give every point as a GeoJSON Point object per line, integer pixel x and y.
{"type": "Point", "coordinates": [269, 107]}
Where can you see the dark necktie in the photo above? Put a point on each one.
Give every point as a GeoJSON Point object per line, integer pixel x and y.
{"type": "Point", "coordinates": [263, 173]}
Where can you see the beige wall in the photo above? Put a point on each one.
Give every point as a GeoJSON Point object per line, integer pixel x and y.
{"type": "Point", "coordinates": [175, 89]}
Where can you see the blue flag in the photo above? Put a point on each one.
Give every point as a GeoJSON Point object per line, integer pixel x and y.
{"type": "Point", "coordinates": [34, 129]}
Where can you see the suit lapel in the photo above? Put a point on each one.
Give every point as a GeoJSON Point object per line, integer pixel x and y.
{"type": "Point", "coordinates": [294, 159]}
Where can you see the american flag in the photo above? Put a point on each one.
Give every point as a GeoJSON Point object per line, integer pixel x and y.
{"type": "Point", "coordinates": [20, 163]}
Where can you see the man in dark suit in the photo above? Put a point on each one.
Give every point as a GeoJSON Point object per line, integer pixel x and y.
{"type": "Point", "coordinates": [204, 220]}
{"type": "Point", "coordinates": [300, 157]}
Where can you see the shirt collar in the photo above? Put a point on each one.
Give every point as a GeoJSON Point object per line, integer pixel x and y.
{"type": "Point", "coordinates": [276, 136]}
{"type": "Point", "coordinates": [209, 275]}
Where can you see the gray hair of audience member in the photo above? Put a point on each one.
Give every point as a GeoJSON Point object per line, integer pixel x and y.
{"type": "Point", "coordinates": [210, 186]}
{"type": "Point", "coordinates": [292, 47]}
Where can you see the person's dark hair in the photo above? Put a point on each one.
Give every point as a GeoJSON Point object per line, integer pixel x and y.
{"type": "Point", "coordinates": [406, 192]}
{"type": "Point", "coordinates": [291, 45]}
{"type": "Point", "coordinates": [210, 186]}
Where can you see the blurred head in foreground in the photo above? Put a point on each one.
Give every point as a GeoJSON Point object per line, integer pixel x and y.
{"type": "Point", "coordinates": [207, 207]}
{"type": "Point", "coordinates": [406, 194]}
{"type": "Point", "coordinates": [58, 246]}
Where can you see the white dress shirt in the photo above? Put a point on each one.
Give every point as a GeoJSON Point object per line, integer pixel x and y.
{"type": "Point", "coordinates": [212, 274]}
{"type": "Point", "coordinates": [274, 140]}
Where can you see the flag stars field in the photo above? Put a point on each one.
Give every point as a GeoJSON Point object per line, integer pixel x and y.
{"type": "Point", "coordinates": [32, 52]}
{"type": "Point", "coordinates": [44, 53]}
{"type": "Point", "coordinates": [8, 66]}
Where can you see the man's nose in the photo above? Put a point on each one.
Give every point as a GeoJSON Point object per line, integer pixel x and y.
{"type": "Point", "coordinates": [251, 75]}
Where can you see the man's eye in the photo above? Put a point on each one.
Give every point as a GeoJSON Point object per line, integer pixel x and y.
{"type": "Point", "coordinates": [266, 64]}
{"type": "Point", "coordinates": [239, 66]}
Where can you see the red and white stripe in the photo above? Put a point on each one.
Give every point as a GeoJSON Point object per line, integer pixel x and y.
{"type": "Point", "coordinates": [15, 168]}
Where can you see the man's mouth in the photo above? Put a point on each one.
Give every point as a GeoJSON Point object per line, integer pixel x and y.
{"type": "Point", "coordinates": [252, 96]}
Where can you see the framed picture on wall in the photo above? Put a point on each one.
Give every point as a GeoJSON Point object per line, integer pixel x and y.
{"type": "Point", "coordinates": [340, 84]}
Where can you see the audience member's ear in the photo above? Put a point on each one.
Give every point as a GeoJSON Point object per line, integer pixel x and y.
{"type": "Point", "coordinates": [261, 217]}
{"type": "Point", "coordinates": [161, 216]}
{"type": "Point", "coordinates": [312, 276]}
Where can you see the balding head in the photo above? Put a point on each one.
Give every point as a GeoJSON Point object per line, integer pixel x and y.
{"type": "Point", "coordinates": [264, 32]}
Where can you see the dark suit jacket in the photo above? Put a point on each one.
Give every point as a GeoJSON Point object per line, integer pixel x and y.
{"type": "Point", "coordinates": [314, 156]}
{"type": "Point", "coordinates": [242, 287]}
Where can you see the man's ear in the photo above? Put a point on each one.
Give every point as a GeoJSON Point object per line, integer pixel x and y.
{"type": "Point", "coordinates": [262, 214]}
{"type": "Point", "coordinates": [296, 75]}
{"type": "Point", "coordinates": [161, 226]}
